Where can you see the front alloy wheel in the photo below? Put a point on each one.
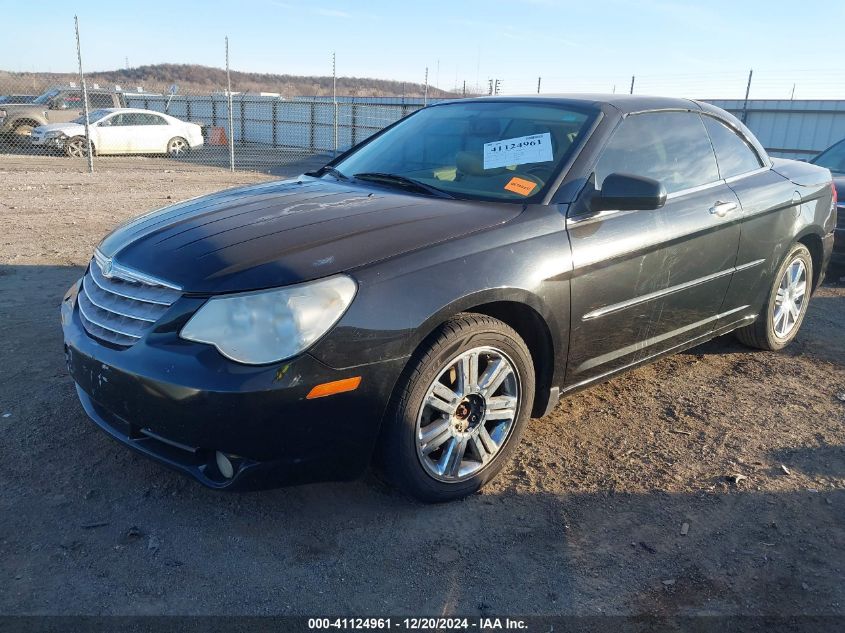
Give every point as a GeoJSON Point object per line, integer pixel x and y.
{"type": "Point", "coordinates": [77, 147]}
{"type": "Point", "coordinates": [467, 414]}
{"type": "Point", "coordinates": [458, 410]}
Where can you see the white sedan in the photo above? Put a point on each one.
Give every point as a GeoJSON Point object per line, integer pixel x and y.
{"type": "Point", "coordinates": [121, 131]}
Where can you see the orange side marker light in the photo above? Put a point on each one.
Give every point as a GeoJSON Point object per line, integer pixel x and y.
{"type": "Point", "coordinates": [336, 386]}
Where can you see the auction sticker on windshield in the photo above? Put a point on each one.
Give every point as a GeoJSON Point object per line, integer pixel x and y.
{"type": "Point", "coordinates": [521, 150]}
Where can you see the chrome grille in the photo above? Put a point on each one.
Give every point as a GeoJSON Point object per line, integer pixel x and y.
{"type": "Point", "coordinates": [121, 307]}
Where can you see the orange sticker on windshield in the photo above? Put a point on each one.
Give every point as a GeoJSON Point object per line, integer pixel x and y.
{"type": "Point", "coordinates": [521, 186]}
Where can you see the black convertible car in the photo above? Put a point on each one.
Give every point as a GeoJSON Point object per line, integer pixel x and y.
{"type": "Point", "coordinates": [417, 299]}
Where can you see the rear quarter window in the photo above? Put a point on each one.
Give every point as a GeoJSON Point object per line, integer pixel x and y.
{"type": "Point", "coordinates": [733, 154]}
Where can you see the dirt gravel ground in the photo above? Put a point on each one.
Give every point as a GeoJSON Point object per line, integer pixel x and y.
{"type": "Point", "coordinates": [589, 519]}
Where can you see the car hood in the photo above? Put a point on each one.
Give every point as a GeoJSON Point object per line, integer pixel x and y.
{"type": "Point", "coordinates": [68, 128]}
{"type": "Point", "coordinates": [279, 233]}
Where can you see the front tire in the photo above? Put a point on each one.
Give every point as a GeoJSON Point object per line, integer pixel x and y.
{"type": "Point", "coordinates": [77, 147]}
{"type": "Point", "coordinates": [459, 410]}
{"type": "Point", "coordinates": [785, 308]}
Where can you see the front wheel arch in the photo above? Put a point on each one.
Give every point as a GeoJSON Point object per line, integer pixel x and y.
{"type": "Point", "coordinates": [528, 316]}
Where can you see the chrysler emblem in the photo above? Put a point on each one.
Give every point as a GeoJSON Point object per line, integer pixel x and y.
{"type": "Point", "coordinates": [107, 267]}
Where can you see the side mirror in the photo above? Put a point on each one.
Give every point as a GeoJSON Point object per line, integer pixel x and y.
{"type": "Point", "coordinates": [625, 192]}
{"type": "Point", "coordinates": [58, 104]}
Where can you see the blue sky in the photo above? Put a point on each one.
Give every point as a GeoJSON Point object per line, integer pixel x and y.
{"type": "Point", "coordinates": [697, 49]}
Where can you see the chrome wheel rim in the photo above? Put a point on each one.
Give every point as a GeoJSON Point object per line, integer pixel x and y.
{"type": "Point", "coordinates": [468, 414]}
{"type": "Point", "coordinates": [177, 147]}
{"type": "Point", "coordinates": [790, 299]}
{"type": "Point", "coordinates": [76, 149]}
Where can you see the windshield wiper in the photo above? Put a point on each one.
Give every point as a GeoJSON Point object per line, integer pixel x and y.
{"type": "Point", "coordinates": [403, 181]}
{"type": "Point", "coordinates": [339, 175]}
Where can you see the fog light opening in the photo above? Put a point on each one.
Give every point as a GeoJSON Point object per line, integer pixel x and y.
{"type": "Point", "coordinates": [224, 465]}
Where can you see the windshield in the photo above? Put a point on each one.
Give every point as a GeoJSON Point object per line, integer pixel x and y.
{"type": "Point", "coordinates": [46, 97]}
{"type": "Point", "coordinates": [506, 151]}
{"type": "Point", "coordinates": [833, 158]}
{"type": "Point", "coordinates": [94, 115]}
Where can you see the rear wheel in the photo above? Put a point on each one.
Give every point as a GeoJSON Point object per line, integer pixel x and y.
{"type": "Point", "coordinates": [782, 315]}
{"type": "Point", "coordinates": [177, 147]}
{"type": "Point", "coordinates": [77, 147]}
{"type": "Point", "coordinates": [459, 410]}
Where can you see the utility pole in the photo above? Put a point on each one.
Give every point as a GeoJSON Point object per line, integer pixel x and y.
{"type": "Point", "coordinates": [334, 98]}
{"type": "Point", "coordinates": [632, 84]}
{"type": "Point", "coordinates": [496, 87]}
{"type": "Point", "coordinates": [747, 92]}
{"type": "Point", "coordinates": [464, 91]}
{"type": "Point", "coordinates": [84, 97]}
{"type": "Point", "coordinates": [792, 96]}
{"type": "Point", "coordinates": [425, 94]}
{"type": "Point", "coordinates": [539, 79]}
{"type": "Point", "coordinates": [231, 116]}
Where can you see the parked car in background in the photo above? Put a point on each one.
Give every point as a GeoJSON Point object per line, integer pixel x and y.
{"type": "Point", "coordinates": [121, 131]}
{"type": "Point", "coordinates": [834, 159]}
{"type": "Point", "coordinates": [17, 99]}
{"type": "Point", "coordinates": [54, 106]}
{"type": "Point", "coordinates": [425, 293]}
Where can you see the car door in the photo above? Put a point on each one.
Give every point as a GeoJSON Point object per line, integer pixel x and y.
{"type": "Point", "coordinates": [649, 281]}
{"type": "Point", "coordinates": [766, 223]}
{"type": "Point", "coordinates": [66, 106]}
{"type": "Point", "coordinates": [109, 134]}
{"type": "Point", "coordinates": [157, 133]}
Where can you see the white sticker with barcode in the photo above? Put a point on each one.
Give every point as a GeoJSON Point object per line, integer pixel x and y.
{"type": "Point", "coordinates": [521, 150]}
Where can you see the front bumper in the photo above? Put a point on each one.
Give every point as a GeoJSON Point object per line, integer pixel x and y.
{"type": "Point", "coordinates": [181, 403]}
{"type": "Point", "coordinates": [55, 142]}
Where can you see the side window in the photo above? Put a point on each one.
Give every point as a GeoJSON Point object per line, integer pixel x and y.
{"type": "Point", "coordinates": [71, 100]}
{"type": "Point", "coordinates": [100, 100]}
{"type": "Point", "coordinates": [153, 119]}
{"type": "Point", "coordinates": [733, 154]}
{"type": "Point", "coordinates": [671, 147]}
{"type": "Point", "coordinates": [133, 118]}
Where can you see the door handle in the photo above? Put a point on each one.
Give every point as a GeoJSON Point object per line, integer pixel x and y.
{"type": "Point", "coordinates": [721, 209]}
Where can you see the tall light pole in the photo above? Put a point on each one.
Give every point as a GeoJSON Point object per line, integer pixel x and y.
{"type": "Point", "coordinates": [84, 97]}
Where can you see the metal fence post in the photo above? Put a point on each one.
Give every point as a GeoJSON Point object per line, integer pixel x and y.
{"type": "Point", "coordinates": [353, 131]}
{"type": "Point", "coordinates": [425, 94]}
{"type": "Point", "coordinates": [231, 123]}
{"type": "Point", "coordinates": [274, 113]}
{"type": "Point", "coordinates": [312, 132]}
{"type": "Point", "coordinates": [334, 99]}
{"type": "Point", "coordinates": [84, 97]}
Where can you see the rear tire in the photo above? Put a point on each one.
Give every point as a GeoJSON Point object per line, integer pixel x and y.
{"type": "Point", "coordinates": [445, 435]}
{"type": "Point", "coordinates": [783, 313]}
{"type": "Point", "coordinates": [177, 147]}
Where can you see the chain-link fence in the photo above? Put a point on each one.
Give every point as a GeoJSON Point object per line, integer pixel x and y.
{"type": "Point", "coordinates": [239, 125]}
{"type": "Point", "coordinates": [265, 130]}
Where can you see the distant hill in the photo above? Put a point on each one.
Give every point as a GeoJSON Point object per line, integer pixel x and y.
{"type": "Point", "coordinates": [192, 78]}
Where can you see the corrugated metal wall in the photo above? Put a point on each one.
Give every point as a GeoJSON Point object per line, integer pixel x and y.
{"type": "Point", "coordinates": [791, 129]}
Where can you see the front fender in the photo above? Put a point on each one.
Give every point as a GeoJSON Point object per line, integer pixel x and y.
{"type": "Point", "coordinates": [402, 300]}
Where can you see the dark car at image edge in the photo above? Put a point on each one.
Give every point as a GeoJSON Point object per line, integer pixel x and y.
{"type": "Point", "coordinates": [833, 158]}
{"type": "Point", "coordinates": [416, 300]}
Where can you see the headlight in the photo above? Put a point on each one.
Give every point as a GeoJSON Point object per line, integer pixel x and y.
{"type": "Point", "coordinates": [256, 328]}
